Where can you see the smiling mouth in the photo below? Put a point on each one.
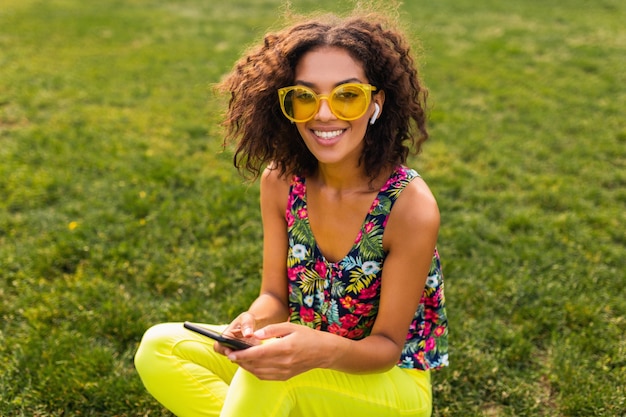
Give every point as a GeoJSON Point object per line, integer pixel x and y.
{"type": "Point", "coordinates": [328, 135]}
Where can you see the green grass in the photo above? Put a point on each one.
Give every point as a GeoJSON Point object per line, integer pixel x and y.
{"type": "Point", "coordinates": [118, 209]}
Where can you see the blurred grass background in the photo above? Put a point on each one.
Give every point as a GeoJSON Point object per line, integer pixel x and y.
{"type": "Point", "coordinates": [118, 208]}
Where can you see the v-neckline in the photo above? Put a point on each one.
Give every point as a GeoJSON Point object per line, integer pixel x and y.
{"type": "Point", "coordinates": [361, 229]}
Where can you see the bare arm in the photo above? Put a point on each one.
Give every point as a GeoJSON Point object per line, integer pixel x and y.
{"type": "Point", "coordinates": [271, 304]}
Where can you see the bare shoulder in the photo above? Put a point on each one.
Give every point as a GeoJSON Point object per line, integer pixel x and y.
{"type": "Point", "coordinates": [274, 188]}
{"type": "Point", "coordinates": [415, 213]}
{"type": "Point", "coordinates": [272, 180]}
{"type": "Point", "coordinates": [418, 196]}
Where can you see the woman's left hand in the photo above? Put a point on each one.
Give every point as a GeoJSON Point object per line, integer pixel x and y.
{"type": "Point", "coordinates": [290, 349]}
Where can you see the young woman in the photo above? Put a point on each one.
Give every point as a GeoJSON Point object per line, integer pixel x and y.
{"type": "Point", "coordinates": [350, 318]}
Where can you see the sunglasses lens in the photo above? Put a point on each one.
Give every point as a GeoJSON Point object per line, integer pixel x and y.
{"type": "Point", "coordinates": [300, 103]}
{"type": "Point", "coordinates": [349, 102]}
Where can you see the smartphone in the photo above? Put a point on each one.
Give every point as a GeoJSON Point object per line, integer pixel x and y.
{"type": "Point", "coordinates": [229, 342]}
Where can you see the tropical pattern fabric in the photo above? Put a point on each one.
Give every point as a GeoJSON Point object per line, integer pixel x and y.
{"type": "Point", "coordinates": [343, 297]}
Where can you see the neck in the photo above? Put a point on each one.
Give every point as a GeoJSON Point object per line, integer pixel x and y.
{"type": "Point", "coordinates": [348, 179]}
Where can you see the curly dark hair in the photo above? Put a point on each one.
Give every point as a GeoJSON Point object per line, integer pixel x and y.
{"type": "Point", "coordinates": [263, 135]}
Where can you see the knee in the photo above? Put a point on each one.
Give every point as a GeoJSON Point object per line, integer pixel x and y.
{"type": "Point", "coordinates": [155, 340]}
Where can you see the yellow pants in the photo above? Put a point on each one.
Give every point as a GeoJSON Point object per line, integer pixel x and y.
{"type": "Point", "coordinates": [183, 372]}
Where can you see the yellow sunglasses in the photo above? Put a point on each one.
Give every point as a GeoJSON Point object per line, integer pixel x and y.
{"type": "Point", "coordinates": [347, 101]}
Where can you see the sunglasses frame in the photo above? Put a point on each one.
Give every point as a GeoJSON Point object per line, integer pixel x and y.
{"type": "Point", "coordinates": [368, 89]}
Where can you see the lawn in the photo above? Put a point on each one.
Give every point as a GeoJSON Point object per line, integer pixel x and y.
{"type": "Point", "coordinates": [120, 209]}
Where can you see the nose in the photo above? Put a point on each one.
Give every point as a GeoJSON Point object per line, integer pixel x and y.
{"type": "Point", "coordinates": [324, 112]}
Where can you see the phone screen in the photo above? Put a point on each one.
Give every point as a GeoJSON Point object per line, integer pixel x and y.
{"type": "Point", "coordinates": [229, 342]}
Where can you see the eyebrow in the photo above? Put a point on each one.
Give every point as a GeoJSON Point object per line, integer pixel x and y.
{"type": "Point", "coordinates": [312, 85]}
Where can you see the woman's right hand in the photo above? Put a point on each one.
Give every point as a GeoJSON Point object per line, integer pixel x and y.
{"type": "Point", "coordinates": [242, 327]}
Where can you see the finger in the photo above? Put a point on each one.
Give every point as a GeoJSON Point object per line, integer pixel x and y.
{"type": "Point", "coordinates": [244, 355]}
{"type": "Point", "coordinates": [248, 324]}
{"type": "Point", "coordinates": [219, 348]}
{"type": "Point", "coordinates": [234, 329]}
{"type": "Point", "coordinates": [274, 331]}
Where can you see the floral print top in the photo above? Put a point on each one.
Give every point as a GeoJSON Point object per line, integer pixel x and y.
{"type": "Point", "coordinates": [343, 297]}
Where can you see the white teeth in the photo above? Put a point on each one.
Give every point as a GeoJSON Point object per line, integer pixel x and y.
{"type": "Point", "coordinates": [327, 135]}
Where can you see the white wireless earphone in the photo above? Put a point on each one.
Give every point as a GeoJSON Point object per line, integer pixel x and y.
{"type": "Point", "coordinates": [376, 113]}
